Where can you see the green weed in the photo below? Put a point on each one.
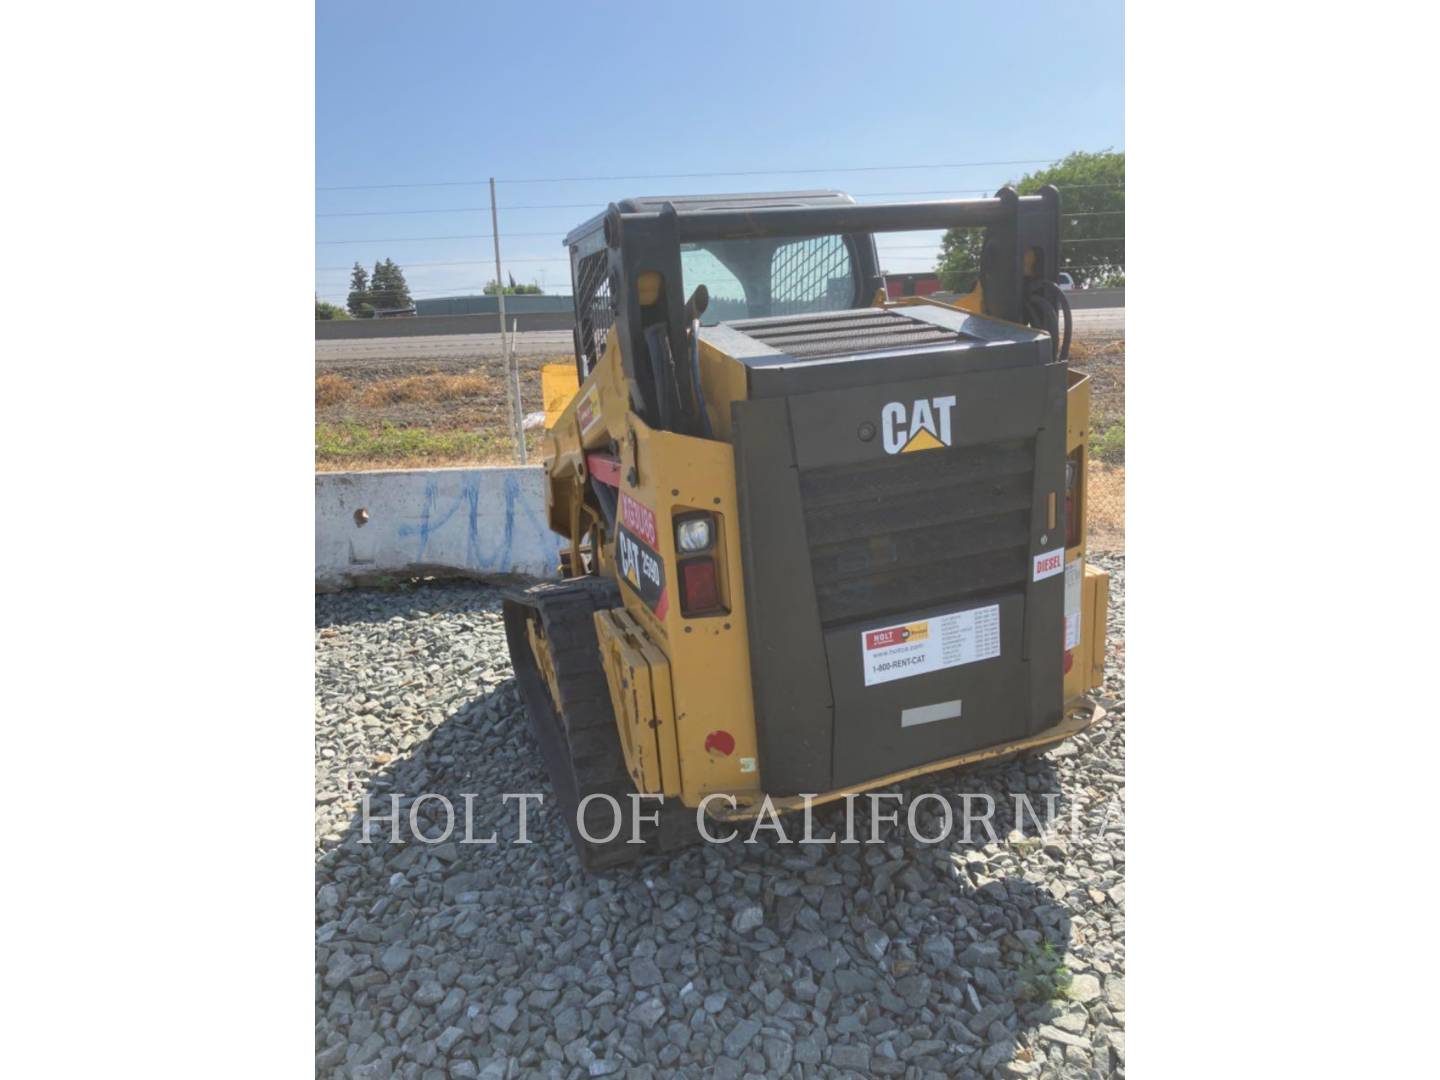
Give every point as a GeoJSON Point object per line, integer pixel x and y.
{"type": "Point", "coordinates": [1108, 445]}
{"type": "Point", "coordinates": [1042, 975]}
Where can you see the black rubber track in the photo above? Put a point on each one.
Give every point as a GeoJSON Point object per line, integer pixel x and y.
{"type": "Point", "coordinates": [577, 735]}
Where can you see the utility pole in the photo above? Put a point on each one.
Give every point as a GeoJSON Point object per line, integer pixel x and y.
{"type": "Point", "coordinates": [512, 375]}
{"type": "Point", "coordinates": [519, 404]}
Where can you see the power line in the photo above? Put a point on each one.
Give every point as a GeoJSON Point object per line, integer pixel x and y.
{"type": "Point", "coordinates": [488, 236]}
{"type": "Point", "coordinates": [486, 209]}
{"type": "Point", "coordinates": [770, 172]}
{"type": "Point", "coordinates": [474, 262]}
{"type": "Point", "coordinates": [409, 239]}
{"type": "Point", "coordinates": [456, 262]}
{"type": "Point", "coordinates": [565, 259]}
{"type": "Point", "coordinates": [688, 176]}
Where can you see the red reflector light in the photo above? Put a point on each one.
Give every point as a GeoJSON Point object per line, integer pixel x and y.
{"type": "Point", "coordinates": [1069, 660]}
{"type": "Point", "coordinates": [720, 742]}
{"type": "Point", "coordinates": [699, 591]}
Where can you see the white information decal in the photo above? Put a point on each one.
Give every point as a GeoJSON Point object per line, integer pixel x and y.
{"type": "Point", "coordinates": [1073, 573]}
{"type": "Point", "coordinates": [1049, 564]}
{"type": "Point", "coordinates": [941, 641]}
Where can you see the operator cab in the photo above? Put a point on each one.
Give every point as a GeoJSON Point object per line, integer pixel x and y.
{"type": "Point", "coordinates": [756, 277]}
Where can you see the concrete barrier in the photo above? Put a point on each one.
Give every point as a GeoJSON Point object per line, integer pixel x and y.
{"type": "Point", "coordinates": [480, 522]}
{"type": "Point", "coordinates": [420, 325]}
{"type": "Point", "coordinates": [1096, 298]}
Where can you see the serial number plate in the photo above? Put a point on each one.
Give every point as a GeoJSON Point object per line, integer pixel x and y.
{"type": "Point", "coordinates": [933, 644]}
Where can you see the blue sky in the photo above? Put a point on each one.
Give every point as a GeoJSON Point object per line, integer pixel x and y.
{"type": "Point", "coordinates": [449, 92]}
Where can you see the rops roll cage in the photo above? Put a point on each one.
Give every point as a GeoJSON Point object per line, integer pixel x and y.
{"type": "Point", "coordinates": [1019, 265]}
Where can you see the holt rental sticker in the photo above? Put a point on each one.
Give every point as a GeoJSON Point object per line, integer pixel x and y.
{"type": "Point", "coordinates": [941, 641]}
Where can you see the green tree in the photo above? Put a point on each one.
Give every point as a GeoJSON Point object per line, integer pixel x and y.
{"type": "Point", "coordinates": [325, 310]}
{"type": "Point", "coordinates": [358, 302]}
{"type": "Point", "coordinates": [959, 263]}
{"type": "Point", "coordinates": [387, 286]}
{"type": "Point", "coordinates": [1092, 223]}
{"type": "Point", "coordinates": [492, 288]}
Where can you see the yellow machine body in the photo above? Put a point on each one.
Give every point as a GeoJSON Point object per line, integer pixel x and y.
{"type": "Point", "coordinates": [681, 687]}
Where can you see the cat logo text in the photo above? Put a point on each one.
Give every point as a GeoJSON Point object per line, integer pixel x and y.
{"type": "Point", "coordinates": [917, 425]}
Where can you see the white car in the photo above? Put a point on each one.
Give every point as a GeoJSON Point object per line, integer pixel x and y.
{"type": "Point", "coordinates": [1065, 282]}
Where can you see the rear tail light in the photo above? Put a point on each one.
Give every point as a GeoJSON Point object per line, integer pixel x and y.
{"type": "Point", "coordinates": [1072, 500]}
{"type": "Point", "coordinates": [699, 589]}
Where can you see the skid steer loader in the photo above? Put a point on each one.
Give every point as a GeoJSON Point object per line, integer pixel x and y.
{"type": "Point", "coordinates": [818, 542]}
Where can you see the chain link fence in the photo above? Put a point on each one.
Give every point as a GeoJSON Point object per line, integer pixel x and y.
{"type": "Point", "coordinates": [1103, 359]}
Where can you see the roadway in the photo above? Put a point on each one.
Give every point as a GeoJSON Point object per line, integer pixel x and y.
{"type": "Point", "coordinates": [364, 352]}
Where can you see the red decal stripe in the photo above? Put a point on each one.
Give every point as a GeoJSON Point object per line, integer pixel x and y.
{"type": "Point", "coordinates": [604, 468]}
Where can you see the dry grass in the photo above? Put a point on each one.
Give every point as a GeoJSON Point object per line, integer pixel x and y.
{"type": "Point", "coordinates": [1104, 362]}
{"type": "Point", "coordinates": [332, 390]}
{"type": "Point", "coordinates": [422, 389]}
{"type": "Point", "coordinates": [1089, 350]}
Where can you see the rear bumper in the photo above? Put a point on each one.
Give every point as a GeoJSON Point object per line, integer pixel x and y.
{"type": "Point", "coordinates": [1078, 716]}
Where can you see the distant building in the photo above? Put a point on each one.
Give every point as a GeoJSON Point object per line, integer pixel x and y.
{"type": "Point", "coordinates": [394, 312]}
{"type": "Point", "coordinates": [517, 304]}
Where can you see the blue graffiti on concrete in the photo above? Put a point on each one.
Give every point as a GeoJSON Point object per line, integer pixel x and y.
{"type": "Point", "coordinates": [498, 558]}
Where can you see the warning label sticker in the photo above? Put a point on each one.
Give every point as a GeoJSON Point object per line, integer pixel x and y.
{"type": "Point", "coordinates": [941, 641]}
{"type": "Point", "coordinates": [1072, 603]}
{"type": "Point", "coordinates": [585, 412]}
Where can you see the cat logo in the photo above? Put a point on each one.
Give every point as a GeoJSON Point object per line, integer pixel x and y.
{"type": "Point", "coordinates": [925, 425]}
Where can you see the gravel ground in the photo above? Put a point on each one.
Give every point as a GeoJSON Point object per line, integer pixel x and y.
{"type": "Point", "coordinates": [891, 959]}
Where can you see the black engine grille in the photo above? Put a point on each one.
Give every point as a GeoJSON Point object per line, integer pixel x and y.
{"type": "Point", "coordinates": [919, 529]}
{"type": "Point", "coordinates": [839, 332]}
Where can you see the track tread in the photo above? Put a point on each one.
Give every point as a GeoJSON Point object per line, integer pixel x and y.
{"type": "Point", "coordinates": [580, 743]}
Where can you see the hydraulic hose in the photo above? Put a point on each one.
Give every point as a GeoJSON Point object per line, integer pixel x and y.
{"type": "Point", "coordinates": [695, 374]}
{"type": "Point", "coordinates": [1045, 307]}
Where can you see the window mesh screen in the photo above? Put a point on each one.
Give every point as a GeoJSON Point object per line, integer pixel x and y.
{"type": "Point", "coordinates": [811, 275]}
{"type": "Point", "coordinates": [594, 306]}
